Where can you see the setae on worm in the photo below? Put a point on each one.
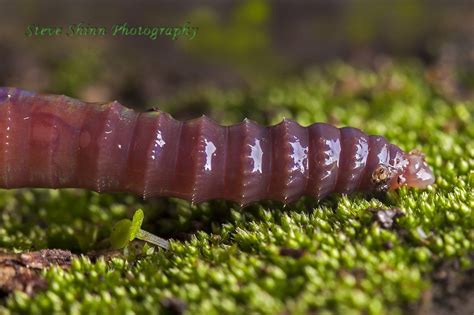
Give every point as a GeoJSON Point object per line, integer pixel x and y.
{"type": "Point", "coordinates": [55, 141]}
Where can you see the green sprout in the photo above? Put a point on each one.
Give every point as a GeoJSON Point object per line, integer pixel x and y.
{"type": "Point", "coordinates": [125, 231]}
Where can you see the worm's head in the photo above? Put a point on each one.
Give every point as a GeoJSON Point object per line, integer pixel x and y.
{"type": "Point", "coordinates": [418, 173]}
{"type": "Point", "coordinates": [415, 172]}
{"type": "Point", "coordinates": [411, 170]}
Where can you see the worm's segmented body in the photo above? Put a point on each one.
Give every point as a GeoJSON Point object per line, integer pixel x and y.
{"type": "Point", "coordinates": [55, 141]}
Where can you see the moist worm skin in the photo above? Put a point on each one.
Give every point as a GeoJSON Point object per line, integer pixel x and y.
{"type": "Point", "coordinates": [55, 141]}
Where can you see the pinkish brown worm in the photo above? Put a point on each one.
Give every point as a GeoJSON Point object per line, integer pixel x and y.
{"type": "Point", "coordinates": [55, 141]}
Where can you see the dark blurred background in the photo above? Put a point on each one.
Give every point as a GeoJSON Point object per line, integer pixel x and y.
{"type": "Point", "coordinates": [239, 44]}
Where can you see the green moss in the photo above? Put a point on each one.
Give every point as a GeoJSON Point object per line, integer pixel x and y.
{"type": "Point", "coordinates": [249, 55]}
{"type": "Point", "coordinates": [234, 261]}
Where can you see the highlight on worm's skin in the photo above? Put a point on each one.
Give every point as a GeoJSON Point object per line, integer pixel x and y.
{"type": "Point", "coordinates": [55, 141]}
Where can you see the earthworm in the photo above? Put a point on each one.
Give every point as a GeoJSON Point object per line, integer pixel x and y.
{"type": "Point", "coordinates": [54, 141]}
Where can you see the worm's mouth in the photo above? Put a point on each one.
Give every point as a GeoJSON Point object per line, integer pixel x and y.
{"type": "Point", "coordinates": [417, 172]}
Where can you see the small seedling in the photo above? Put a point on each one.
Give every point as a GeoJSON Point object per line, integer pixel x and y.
{"type": "Point", "coordinates": [126, 231]}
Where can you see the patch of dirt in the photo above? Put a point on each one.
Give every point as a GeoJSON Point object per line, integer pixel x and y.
{"type": "Point", "coordinates": [452, 291]}
{"type": "Point", "coordinates": [106, 254]}
{"type": "Point", "coordinates": [292, 252]}
{"type": "Point", "coordinates": [173, 305]}
{"type": "Point", "coordinates": [386, 218]}
{"type": "Point", "coordinates": [22, 271]}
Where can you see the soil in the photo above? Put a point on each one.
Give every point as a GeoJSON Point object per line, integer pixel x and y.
{"type": "Point", "coordinates": [22, 271]}
{"type": "Point", "coordinates": [452, 291]}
